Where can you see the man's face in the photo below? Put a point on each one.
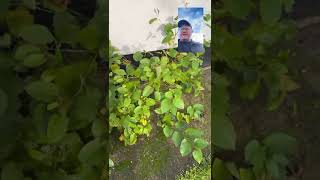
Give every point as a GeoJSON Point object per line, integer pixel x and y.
{"type": "Point", "coordinates": [185, 33]}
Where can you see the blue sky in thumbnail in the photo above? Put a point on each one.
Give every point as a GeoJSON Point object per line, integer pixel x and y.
{"type": "Point", "coordinates": [194, 16]}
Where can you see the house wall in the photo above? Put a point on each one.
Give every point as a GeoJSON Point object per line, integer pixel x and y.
{"type": "Point", "coordinates": [129, 28]}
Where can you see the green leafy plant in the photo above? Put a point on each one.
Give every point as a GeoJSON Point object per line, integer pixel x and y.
{"type": "Point", "coordinates": [268, 34]}
{"type": "Point", "coordinates": [52, 123]}
{"type": "Point", "coordinates": [251, 50]}
{"type": "Point", "coordinates": [156, 87]}
{"type": "Point", "coordinates": [270, 158]}
{"type": "Point", "coordinates": [250, 53]}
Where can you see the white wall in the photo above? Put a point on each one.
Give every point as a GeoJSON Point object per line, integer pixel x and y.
{"type": "Point", "coordinates": [130, 30]}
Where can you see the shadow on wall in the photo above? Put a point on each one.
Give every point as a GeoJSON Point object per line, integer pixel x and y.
{"type": "Point", "coordinates": [133, 48]}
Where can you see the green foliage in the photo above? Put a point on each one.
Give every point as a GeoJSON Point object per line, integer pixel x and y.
{"type": "Point", "coordinates": [220, 171]}
{"type": "Point", "coordinates": [223, 133]}
{"type": "Point", "coordinates": [256, 53]}
{"type": "Point", "coordinates": [271, 158]}
{"type": "Point", "coordinates": [169, 30]}
{"type": "Point", "coordinates": [36, 34]}
{"type": "Point", "coordinates": [251, 52]}
{"type": "Point", "coordinates": [51, 125]}
{"type": "Point", "coordinates": [157, 86]}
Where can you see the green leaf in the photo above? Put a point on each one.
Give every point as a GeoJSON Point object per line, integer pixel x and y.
{"type": "Point", "coordinates": [84, 108]}
{"type": "Point", "coordinates": [147, 91]}
{"type": "Point", "coordinates": [42, 91]}
{"type": "Point", "coordinates": [193, 133]}
{"type": "Point", "coordinates": [157, 96]}
{"type": "Point", "coordinates": [65, 26]}
{"type": "Point", "coordinates": [111, 164]}
{"type": "Point", "coordinates": [126, 102]}
{"type": "Point", "coordinates": [168, 94]}
{"type": "Point", "coordinates": [177, 138]}
{"type": "Point", "coordinates": [165, 105]}
{"type": "Point", "coordinates": [25, 50]}
{"type": "Point", "coordinates": [219, 171]}
{"type": "Point", "coordinates": [36, 155]}
{"type": "Point", "coordinates": [18, 19]}
{"type": "Point", "coordinates": [92, 153]}
{"type": "Point", "coordinates": [224, 135]}
{"type": "Point", "coordinates": [275, 102]}
{"type": "Point", "coordinates": [281, 160]}
{"type": "Point", "coordinates": [172, 53]}
{"type": "Point", "coordinates": [150, 102]}
{"type": "Point", "coordinates": [167, 131]}
{"type": "Point", "coordinates": [270, 11]}
{"type": "Point", "coordinates": [34, 60]}
{"type": "Point", "coordinates": [164, 60]}
{"type": "Point", "coordinates": [239, 9]}
{"type": "Point", "coordinates": [137, 56]}
{"type": "Point", "coordinates": [11, 171]}
{"type": "Point", "coordinates": [273, 169]}
{"type": "Point", "coordinates": [99, 128]}
{"type": "Point", "coordinates": [37, 34]}
{"type": "Point", "coordinates": [185, 147]}
{"type": "Point", "coordinates": [232, 168]}
{"type": "Point", "coordinates": [190, 110]}
{"type": "Point", "coordinates": [256, 155]}
{"type": "Point", "coordinates": [88, 37]}
{"type": "Point", "coordinates": [166, 39]}
{"type": "Point", "coordinates": [30, 4]}
{"type": "Point", "coordinates": [200, 143]}
{"type": "Point", "coordinates": [152, 20]}
{"type": "Point", "coordinates": [198, 107]}
{"type": "Point", "coordinates": [281, 143]}
{"type": "Point", "coordinates": [246, 174]}
{"type": "Point", "coordinates": [168, 28]}
{"type": "Point", "coordinates": [178, 102]}
{"type": "Point", "coordinates": [70, 77]}
{"type": "Point", "coordinates": [197, 155]}
{"type": "Point", "coordinates": [57, 127]}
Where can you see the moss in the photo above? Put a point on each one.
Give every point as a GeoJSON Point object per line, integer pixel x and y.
{"type": "Point", "coordinates": [153, 157]}
{"type": "Point", "coordinates": [123, 166]}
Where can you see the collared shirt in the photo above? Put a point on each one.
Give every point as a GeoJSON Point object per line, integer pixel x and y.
{"type": "Point", "coordinates": [190, 46]}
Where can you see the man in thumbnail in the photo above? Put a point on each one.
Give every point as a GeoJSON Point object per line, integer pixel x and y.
{"type": "Point", "coordinates": [185, 43]}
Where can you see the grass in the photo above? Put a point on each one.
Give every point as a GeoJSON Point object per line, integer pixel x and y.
{"type": "Point", "coordinates": [197, 172]}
